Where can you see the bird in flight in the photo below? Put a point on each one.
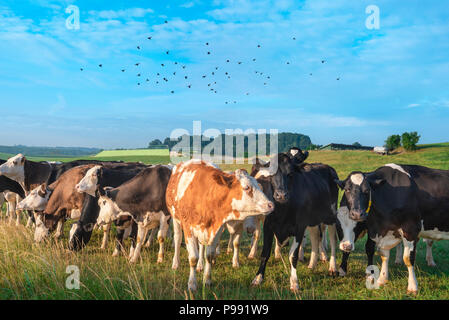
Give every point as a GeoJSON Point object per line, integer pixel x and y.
{"type": "Point", "coordinates": [162, 64]}
{"type": "Point", "coordinates": [137, 64]}
{"type": "Point", "coordinates": [149, 38]}
{"type": "Point", "coordinates": [100, 65]}
{"type": "Point", "coordinates": [323, 61]}
{"type": "Point", "coordinates": [338, 78]}
{"type": "Point", "coordinates": [189, 86]}
{"type": "Point", "coordinates": [81, 69]}
{"type": "Point", "coordinates": [167, 52]}
{"type": "Point", "coordinates": [123, 70]}
{"type": "Point", "coordinates": [138, 47]}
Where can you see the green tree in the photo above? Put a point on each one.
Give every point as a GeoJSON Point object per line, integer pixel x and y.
{"type": "Point", "coordinates": [409, 140]}
{"type": "Point", "coordinates": [155, 142]}
{"type": "Point", "coordinates": [393, 142]}
{"type": "Point", "coordinates": [356, 144]}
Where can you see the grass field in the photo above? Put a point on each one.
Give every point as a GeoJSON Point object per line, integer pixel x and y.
{"type": "Point", "coordinates": [31, 271]}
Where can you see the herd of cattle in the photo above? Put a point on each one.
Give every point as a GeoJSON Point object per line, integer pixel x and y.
{"type": "Point", "coordinates": [394, 204]}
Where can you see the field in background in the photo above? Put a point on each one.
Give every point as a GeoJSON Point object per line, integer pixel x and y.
{"type": "Point", "coordinates": [31, 271]}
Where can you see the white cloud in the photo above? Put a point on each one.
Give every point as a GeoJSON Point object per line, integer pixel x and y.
{"type": "Point", "coordinates": [187, 5]}
{"type": "Point", "coordinates": [123, 14]}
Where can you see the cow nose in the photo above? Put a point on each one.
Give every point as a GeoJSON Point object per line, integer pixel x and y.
{"type": "Point", "coordinates": [346, 246]}
{"type": "Point", "coordinates": [270, 205]}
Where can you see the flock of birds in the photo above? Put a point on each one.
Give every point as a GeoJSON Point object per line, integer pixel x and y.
{"type": "Point", "coordinates": [163, 77]}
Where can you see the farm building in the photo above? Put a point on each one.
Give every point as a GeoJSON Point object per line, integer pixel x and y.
{"type": "Point", "coordinates": [338, 146]}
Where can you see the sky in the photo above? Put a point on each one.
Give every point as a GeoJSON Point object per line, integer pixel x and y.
{"type": "Point", "coordinates": [391, 79]}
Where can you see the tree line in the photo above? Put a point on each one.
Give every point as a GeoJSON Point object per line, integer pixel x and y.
{"type": "Point", "coordinates": [285, 141]}
{"type": "Point", "coordinates": [408, 140]}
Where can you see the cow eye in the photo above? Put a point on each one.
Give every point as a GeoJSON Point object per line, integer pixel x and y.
{"type": "Point", "coordinates": [246, 188]}
{"type": "Point", "coordinates": [14, 162]}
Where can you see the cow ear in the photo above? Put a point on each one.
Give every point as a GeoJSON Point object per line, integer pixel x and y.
{"type": "Point", "coordinates": [306, 155]}
{"type": "Point", "coordinates": [22, 161]}
{"type": "Point", "coordinates": [340, 183]}
{"type": "Point", "coordinates": [376, 183]}
{"type": "Point", "coordinates": [224, 180]}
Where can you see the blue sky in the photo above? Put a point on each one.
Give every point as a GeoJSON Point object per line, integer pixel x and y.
{"type": "Point", "coordinates": [392, 80]}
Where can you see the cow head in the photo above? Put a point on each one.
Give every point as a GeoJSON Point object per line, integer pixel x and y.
{"type": "Point", "coordinates": [82, 229]}
{"type": "Point", "coordinates": [89, 182]}
{"type": "Point", "coordinates": [45, 224]}
{"type": "Point", "coordinates": [347, 243]}
{"type": "Point", "coordinates": [253, 201]}
{"type": "Point", "coordinates": [277, 170]}
{"type": "Point", "coordinates": [109, 211]}
{"type": "Point", "coordinates": [37, 199]}
{"type": "Point", "coordinates": [297, 155]}
{"type": "Point", "coordinates": [14, 168]}
{"type": "Point", "coordinates": [358, 188]}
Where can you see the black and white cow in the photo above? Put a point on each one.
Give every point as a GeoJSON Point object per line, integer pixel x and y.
{"type": "Point", "coordinates": [10, 191]}
{"type": "Point", "coordinates": [96, 178]}
{"type": "Point", "coordinates": [305, 196]}
{"type": "Point", "coordinates": [399, 203]}
{"type": "Point", "coordinates": [142, 198]}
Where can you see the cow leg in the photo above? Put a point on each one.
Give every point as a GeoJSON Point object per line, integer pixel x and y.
{"type": "Point", "coordinates": [429, 256]}
{"type": "Point", "coordinates": [409, 261]}
{"type": "Point", "coordinates": [2, 201]}
{"type": "Point", "coordinates": [344, 264]}
{"type": "Point", "coordinates": [200, 264]}
{"type": "Point", "coordinates": [398, 259]}
{"type": "Point", "coordinates": [150, 237]}
{"type": "Point", "coordinates": [142, 232]}
{"type": "Point", "coordinates": [162, 235]}
{"type": "Point", "coordinates": [293, 258]}
{"type": "Point", "coordinates": [177, 238]}
{"type": "Point", "coordinates": [277, 250]}
{"type": "Point", "coordinates": [231, 238]}
{"type": "Point", "coordinates": [254, 241]}
{"type": "Point", "coordinates": [370, 248]}
{"type": "Point", "coordinates": [192, 248]}
{"type": "Point", "coordinates": [268, 236]}
{"type": "Point", "coordinates": [31, 220]}
{"type": "Point", "coordinates": [332, 229]}
{"type": "Point", "coordinates": [323, 243]}
{"type": "Point", "coordinates": [236, 243]}
{"type": "Point", "coordinates": [11, 198]}
{"type": "Point", "coordinates": [106, 230]}
{"type": "Point", "coordinates": [314, 234]}
{"type": "Point", "coordinates": [119, 241]}
{"type": "Point", "coordinates": [59, 229]}
{"type": "Point", "coordinates": [301, 248]}
{"type": "Point", "coordinates": [384, 255]}
{"type": "Point", "coordinates": [133, 236]}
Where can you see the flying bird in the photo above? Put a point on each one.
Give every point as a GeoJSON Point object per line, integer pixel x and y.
{"type": "Point", "coordinates": [138, 47]}
{"type": "Point", "coordinates": [258, 46]}
{"type": "Point", "coordinates": [100, 65]}
{"type": "Point", "coordinates": [185, 77]}
{"type": "Point", "coordinates": [165, 21]}
{"type": "Point", "coordinates": [149, 38]}
{"type": "Point", "coordinates": [204, 76]}
{"type": "Point", "coordinates": [208, 52]}
{"type": "Point", "coordinates": [162, 64]}
{"type": "Point", "coordinates": [137, 64]}
{"type": "Point", "coordinates": [138, 74]}
{"type": "Point", "coordinates": [338, 78]}
{"type": "Point", "coordinates": [207, 43]}
{"type": "Point", "coordinates": [123, 70]}
{"type": "Point", "coordinates": [167, 52]}
{"type": "Point", "coordinates": [172, 91]}
{"type": "Point", "coordinates": [323, 61]}
{"type": "Point", "coordinates": [81, 69]}
{"type": "Point", "coordinates": [189, 86]}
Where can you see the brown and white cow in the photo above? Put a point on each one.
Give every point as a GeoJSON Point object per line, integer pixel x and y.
{"type": "Point", "coordinates": [201, 199]}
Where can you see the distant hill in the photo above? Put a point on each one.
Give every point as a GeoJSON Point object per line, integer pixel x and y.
{"type": "Point", "coordinates": [49, 151]}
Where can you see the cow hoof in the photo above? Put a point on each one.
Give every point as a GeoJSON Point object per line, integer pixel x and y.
{"type": "Point", "coordinates": [398, 262]}
{"type": "Point", "coordinates": [381, 282]}
{"type": "Point", "coordinates": [294, 287]}
{"type": "Point", "coordinates": [192, 287]}
{"type": "Point", "coordinates": [228, 251]}
{"type": "Point", "coordinates": [160, 259]}
{"type": "Point", "coordinates": [277, 257]}
{"type": "Point", "coordinates": [412, 292]}
{"type": "Point", "coordinates": [174, 266]}
{"type": "Point", "coordinates": [235, 265]}
{"type": "Point", "coordinates": [333, 273]}
{"type": "Point", "coordinates": [251, 256]}
{"type": "Point", "coordinates": [341, 272]}
{"type": "Point", "coordinates": [199, 269]}
{"type": "Point", "coordinates": [431, 264]}
{"type": "Point", "coordinates": [257, 280]}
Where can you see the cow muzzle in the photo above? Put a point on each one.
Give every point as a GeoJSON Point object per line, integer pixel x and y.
{"type": "Point", "coordinates": [358, 216]}
{"type": "Point", "coordinates": [281, 196]}
{"type": "Point", "coordinates": [346, 246]}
